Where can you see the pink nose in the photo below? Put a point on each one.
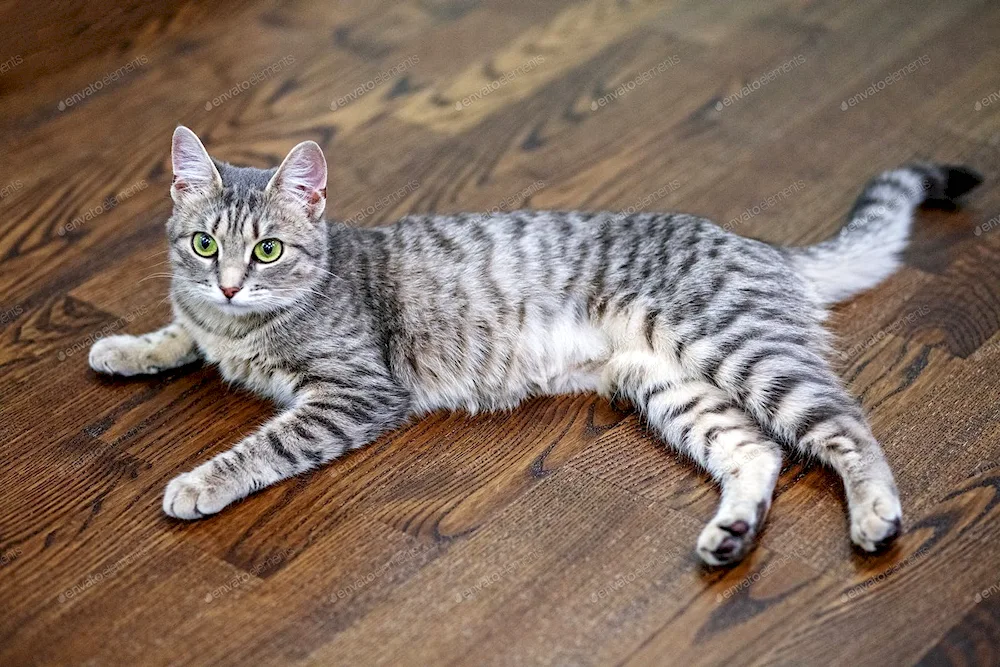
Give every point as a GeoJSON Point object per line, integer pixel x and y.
{"type": "Point", "coordinates": [230, 292]}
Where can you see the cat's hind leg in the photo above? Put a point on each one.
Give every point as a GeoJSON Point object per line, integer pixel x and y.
{"type": "Point", "coordinates": [702, 421]}
{"type": "Point", "coordinates": [791, 391]}
{"type": "Point", "coordinates": [154, 352]}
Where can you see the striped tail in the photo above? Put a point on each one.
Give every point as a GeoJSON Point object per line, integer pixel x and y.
{"type": "Point", "coordinates": [867, 248]}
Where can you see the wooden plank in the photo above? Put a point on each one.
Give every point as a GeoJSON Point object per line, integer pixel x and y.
{"type": "Point", "coordinates": [562, 532]}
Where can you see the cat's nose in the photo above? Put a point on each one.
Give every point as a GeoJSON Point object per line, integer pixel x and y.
{"type": "Point", "coordinates": [230, 292]}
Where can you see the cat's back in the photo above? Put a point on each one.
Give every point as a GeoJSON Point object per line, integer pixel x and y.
{"type": "Point", "coordinates": [563, 254]}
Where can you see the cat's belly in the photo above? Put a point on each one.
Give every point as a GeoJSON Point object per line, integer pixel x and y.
{"type": "Point", "coordinates": [555, 357]}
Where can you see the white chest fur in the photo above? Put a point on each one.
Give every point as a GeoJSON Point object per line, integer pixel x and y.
{"type": "Point", "coordinates": [246, 362]}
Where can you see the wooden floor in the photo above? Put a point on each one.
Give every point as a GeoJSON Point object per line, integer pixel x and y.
{"type": "Point", "coordinates": [560, 533]}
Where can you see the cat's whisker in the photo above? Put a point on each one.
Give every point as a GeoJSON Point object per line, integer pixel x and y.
{"type": "Point", "coordinates": [172, 276]}
{"type": "Point", "coordinates": [166, 276]}
{"type": "Point", "coordinates": [166, 261]}
{"type": "Point", "coordinates": [300, 290]}
{"type": "Point", "coordinates": [329, 273]}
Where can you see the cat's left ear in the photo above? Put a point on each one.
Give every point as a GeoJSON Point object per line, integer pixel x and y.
{"type": "Point", "coordinates": [302, 178]}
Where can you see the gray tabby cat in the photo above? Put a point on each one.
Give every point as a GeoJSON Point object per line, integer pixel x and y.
{"type": "Point", "coordinates": [716, 339]}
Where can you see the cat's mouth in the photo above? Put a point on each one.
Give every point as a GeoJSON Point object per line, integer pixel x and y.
{"type": "Point", "coordinates": [234, 308]}
{"type": "Point", "coordinates": [242, 304]}
{"type": "Point", "coordinates": [238, 305]}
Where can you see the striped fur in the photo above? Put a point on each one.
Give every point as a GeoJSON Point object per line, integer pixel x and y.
{"type": "Point", "coordinates": [715, 338]}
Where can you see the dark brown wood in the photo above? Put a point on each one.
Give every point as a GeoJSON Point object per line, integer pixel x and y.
{"type": "Point", "coordinates": [560, 533]}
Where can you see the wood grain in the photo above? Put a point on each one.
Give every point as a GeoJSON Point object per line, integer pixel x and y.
{"type": "Point", "coordinates": [560, 533]}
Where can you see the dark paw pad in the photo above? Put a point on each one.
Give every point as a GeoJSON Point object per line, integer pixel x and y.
{"type": "Point", "coordinates": [960, 180]}
{"type": "Point", "coordinates": [729, 551]}
{"type": "Point", "coordinates": [737, 528]}
{"type": "Point", "coordinates": [890, 537]}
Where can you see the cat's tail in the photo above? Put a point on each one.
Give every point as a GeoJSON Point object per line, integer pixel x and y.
{"type": "Point", "coordinates": [866, 250]}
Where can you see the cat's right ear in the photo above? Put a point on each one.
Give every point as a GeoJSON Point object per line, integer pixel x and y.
{"type": "Point", "coordinates": [194, 172]}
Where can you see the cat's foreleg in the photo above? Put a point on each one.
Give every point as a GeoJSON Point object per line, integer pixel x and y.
{"type": "Point", "coordinates": [154, 352]}
{"type": "Point", "coordinates": [701, 420]}
{"type": "Point", "coordinates": [326, 421]}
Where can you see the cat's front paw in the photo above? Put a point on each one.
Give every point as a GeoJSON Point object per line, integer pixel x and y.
{"type": "Point", "coordinates": [197, 494]}
{"type": "Point", "coordinates": [121, 355]}
{"type": "Point", "coordinates": [877, 520]}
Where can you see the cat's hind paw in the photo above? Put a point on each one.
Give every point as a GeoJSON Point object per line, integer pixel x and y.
{"type": "Point", "coordinates": [730, 535]}
{"type": "Point", "coordinates": [876, 522]}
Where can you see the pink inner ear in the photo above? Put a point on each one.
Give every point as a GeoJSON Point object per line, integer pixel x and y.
{"type": "Point", "coordinates": [193, 168]}
{"type": "Point", "coordinates": [303, 174]}
{"type": "Point", "coordinates": [316, 196]}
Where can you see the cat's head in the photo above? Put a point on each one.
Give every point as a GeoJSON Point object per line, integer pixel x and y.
{"type": "Point", "coordinates": [246, 240]}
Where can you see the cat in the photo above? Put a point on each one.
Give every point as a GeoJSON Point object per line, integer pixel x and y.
{"type": "Point", "coordinates": [716, 339]}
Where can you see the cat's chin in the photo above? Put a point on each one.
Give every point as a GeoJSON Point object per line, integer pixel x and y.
{"type": "Point", "coordinates": [236, 308]}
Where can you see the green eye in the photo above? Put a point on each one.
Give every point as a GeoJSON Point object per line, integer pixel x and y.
{"type": "Point", "coordinates": [204, 244]}
{"type": "Point", "coordinates": [267, 250]}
